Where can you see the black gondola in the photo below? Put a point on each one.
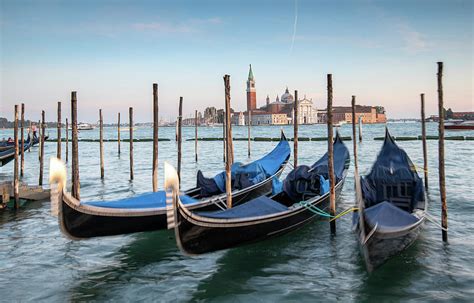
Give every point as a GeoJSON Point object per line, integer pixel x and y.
{"type": "Point", "coordinates": [303, 190]}
{"type": "Point", "coordinates": [392, 205]}
{"type": "Point", "coordinates": [8, 155]}
{"type": "Point", "coordinates": [147, 212]}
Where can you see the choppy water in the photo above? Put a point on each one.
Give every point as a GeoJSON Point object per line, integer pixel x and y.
{"type": "Point", "coordinates": [38, 263]}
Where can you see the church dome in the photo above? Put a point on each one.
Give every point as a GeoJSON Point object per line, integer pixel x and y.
{"type": "Point", "coordinates": [287, 97]}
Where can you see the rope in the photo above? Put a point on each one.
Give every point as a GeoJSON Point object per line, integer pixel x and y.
{"type": "Point", "coordinates": [420, 168]}
{"type": "Point", "coordinates": [434, 221]}
{"type": "Point", "coordinates": [345, 212]}
{"type": "Point", "coordinates": [322, 213]}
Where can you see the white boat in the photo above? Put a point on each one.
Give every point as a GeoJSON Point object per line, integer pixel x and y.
{"type": "Point", "coordinates": [85, 126]}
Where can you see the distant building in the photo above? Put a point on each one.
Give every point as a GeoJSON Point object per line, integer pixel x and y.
{"type": "Point", "coordinates": [277, 112]}
{"type": "Point", "coordinates": [369, 114]}
{"type": "Point", "coordinates": [210, 115]}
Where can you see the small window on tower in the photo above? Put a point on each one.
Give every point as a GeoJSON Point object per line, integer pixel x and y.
{"type": "Point", "coordinates": [253, 85]}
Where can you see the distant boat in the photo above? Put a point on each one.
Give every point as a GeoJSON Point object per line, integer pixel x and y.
{"type": "Point", "coordinates": [83, 126]}
{"type": "Point", "coordinates": [459, 125]}
{"type": "Point", "coordinates": [339, 124]}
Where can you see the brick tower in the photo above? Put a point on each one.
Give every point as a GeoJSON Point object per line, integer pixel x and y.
{"type": "Point", "coordinates": [251, 92]}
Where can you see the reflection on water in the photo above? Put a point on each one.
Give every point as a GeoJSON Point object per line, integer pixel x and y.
{"type": "Point", "coordinates": [38, 263]}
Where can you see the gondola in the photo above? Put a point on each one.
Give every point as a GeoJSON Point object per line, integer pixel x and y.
{"type": "Point", "coordinates": [8, 155]}
{"type": "Point", "coordinates": [391, 205]}
{"type": "Point", "coordinates": [303, 190]}
{"type": "Point", "coordinates": [6, 145]}
{"type": "Point", "coordinates": [147, 212]}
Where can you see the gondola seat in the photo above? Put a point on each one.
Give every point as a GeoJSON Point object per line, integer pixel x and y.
{"type": "Point", "coordinates": [388, 217]}
{"type": "Point", "coordinates": [260, 206]}
{"type": "Point", "coordinates": [148, 200]}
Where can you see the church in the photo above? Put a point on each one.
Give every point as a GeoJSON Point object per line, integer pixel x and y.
{"type": "Point", "coordinates": [278, 112]}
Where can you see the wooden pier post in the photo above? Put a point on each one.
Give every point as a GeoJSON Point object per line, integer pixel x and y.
{"type": "Point", "coordinates": [295, 130]}
{"type": "Point", "coordinates": [249, 123]}
{"type": "Point", "coordinates": [101, 140]}
{"type": "Point", "coordinates": [229, 157]}
{"type": "Point", "coordinates": [118, 133]}
{"type": "Point", "coordinates": [332, 193]}
{"type": "Point", "coordinates": [196, 135]}
{"type": "Point", "coordinates": [39, 140]}
{"type": "Point", "coordinates": [442, 185]}
{"type": "Point", "coordinates": [43, 123]}
{"type": "Point", "coordinates": [423, 138]}
{"type": "Point", "coordinates": [130, 114]}
{"type": "Point", "coordinates": [76, 187]}
{"type": "Point", "coordinates": [180, 134]}
{"type": "Point", "coordinates": [224, 137]}
{"type": "Point", "coordinates": [354, 141]}
{"type": "Point", "coordinates": [31, 138]}
{"type": "Point", "coordinates": [155, 138]}
{"type": "Point", "coordinates": [67, 140]}
{"type": "Point", "coordinates": [15, 169]}
{"type": "Point", "coordinates": [58, 153]}
{"type": "Point", "coordinates": [22, 147]}
{"type": "Point", "coordinates": [360, 128]}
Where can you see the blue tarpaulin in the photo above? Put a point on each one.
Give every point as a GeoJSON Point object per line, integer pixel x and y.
{"type": "Point", "coordinates": [148, 200]}
{"type": "Point", "coordinates": [393, 177]}
{"type": "Point", "coordinates": [306, 181]}
{"type": "Point", "coordinates": [257, 207]}
{"type": "Point", "coordinates": [388, 217]}
{"type": "Point", "coordinates": [246, 175]}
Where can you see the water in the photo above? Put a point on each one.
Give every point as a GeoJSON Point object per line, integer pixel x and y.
{"type": "Point", "coordinates": [38, 263]}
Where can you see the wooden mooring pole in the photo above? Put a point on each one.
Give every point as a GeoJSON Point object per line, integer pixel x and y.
{"type": "Point", "coordinates": [249, 124]}
{"type": "Point", "coordinates": [354, 141]}
{"type": "Point", "coordinates": [229, 157]}
{"type": "Point", "coordinates": [43, 124]}
{"type": "Point", "coordinates": [75, 148]}
{"type": "Point", "coordinates": [39, 140]}
{"type": "Point", "coordinates": [224, 137]}
{"type": "Point", "coordinates": [155, 138]}
{"type": "Point", "coordinates": [101, 140]}
{"type": "Point", "coordinates": [332, 193]}
{"type": "Point", "coordinates": [31, 138]}
{"type": "Point", "coordinates": [22, 151]}
{"type": "Point", "coordinates": [67, 140]}
{"type": "Point", "coordinates": [180, 134]}
{"type": "Point", "coordinates": [442, 185]}
{"type": "Point", "coordinates": [196, 124]}
{"type": "Point", "coordinates": [16, 180]}
{"type": "Point", "coordinates": [130, 115]}
{"type": "Point", "coordinates": [58, 152]}
{"type": "Point", "coordinates": [360, 128]}
{"type": "Point", "coordinates": [118, 134]}
{"type": "Point", "coordinates": [295, 130]}
{"type": "Point", "coordinates": [423, 138]}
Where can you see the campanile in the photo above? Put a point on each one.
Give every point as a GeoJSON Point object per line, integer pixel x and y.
{"type": "Point", "coordinates": [251, 92]}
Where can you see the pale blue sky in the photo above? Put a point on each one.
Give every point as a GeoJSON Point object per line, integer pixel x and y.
{"type": "Point", "coordinates": [111, 52]}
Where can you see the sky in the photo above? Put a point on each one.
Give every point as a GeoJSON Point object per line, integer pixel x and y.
{"type": "Point", "coordinates": [110, 52]}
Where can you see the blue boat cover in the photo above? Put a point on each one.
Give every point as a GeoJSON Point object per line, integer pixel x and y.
{"type": "Point", "coordinates": [341, 160]}
{"type": "Point", "coordinates": [247, 175]}
{"type": "Point", "coordinates": [388, 217]}
{"type": "Point", "coordinates": [392, 177]}
{"type": "Point", "coordinates": [304, 181]}
{"type": "Point", "coordinates": [257, 207]}
{"type": "Point", "coordinates": [148, 200]}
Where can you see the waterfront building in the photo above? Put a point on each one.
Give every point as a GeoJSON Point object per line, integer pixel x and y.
{"type": "Point", "coordinates": [368, 114]}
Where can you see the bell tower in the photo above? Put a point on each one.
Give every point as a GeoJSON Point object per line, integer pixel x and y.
{"type": "Point", "coordinates": [251, 92]}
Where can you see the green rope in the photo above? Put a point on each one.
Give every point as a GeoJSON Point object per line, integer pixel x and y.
{"type": "Point", "coordinates": [315, 209]}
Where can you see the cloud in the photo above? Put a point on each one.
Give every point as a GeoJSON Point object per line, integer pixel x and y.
{"type": "Point", "coordinates": [414, 41]}
{"type": "Point", "coordinates": [188, 26]}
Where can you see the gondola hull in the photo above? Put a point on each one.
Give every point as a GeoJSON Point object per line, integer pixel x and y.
{"type": "Point", "coordinates": [380, 247]}
{"type": "Point", "coordinates": [198, 237]}
{"type": "Point", "coordinates": [77, 221]}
